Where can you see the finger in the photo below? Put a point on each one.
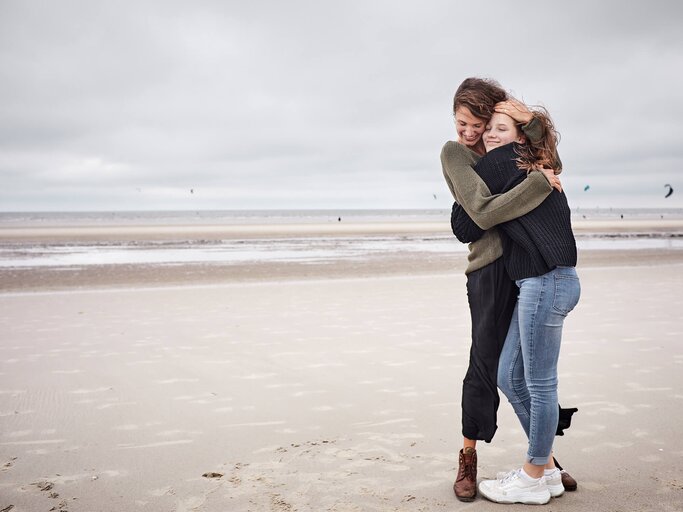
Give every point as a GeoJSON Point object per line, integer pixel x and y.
{"type": "Point", "coordinates": [518, 105]}
{"type": "Point", "coordinates": [506, 110]}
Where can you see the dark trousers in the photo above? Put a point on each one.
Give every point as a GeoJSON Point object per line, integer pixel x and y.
{"type": "Point", "coordinates": [492, 296]}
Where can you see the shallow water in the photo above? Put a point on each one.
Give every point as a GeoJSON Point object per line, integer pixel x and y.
{"type": "Point", "coordinates": [310, 249]}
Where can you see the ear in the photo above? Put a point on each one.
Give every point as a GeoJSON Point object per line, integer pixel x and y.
{"type": "Point", "coordinates": [521, 139]}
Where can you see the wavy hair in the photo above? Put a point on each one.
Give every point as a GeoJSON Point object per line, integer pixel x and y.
{"type": "Point", "coordinates": [544, 152]}
{"type": "Point", "coordinates": [480, 96]}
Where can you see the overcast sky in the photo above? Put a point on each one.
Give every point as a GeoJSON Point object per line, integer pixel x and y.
{"type": "Point", "coordinates": [323, 104]}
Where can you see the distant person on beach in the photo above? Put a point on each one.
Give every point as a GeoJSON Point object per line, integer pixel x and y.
{"type": "Point", "coordinates": [491, 293]}
{"type": "Point", "coordinates": [539, 252]}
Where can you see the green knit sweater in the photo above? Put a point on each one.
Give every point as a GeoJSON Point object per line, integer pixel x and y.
{"type": "Point", "coordinates": [487, 210]}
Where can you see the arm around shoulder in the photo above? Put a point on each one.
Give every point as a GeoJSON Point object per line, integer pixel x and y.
{"type": "Point", "coordinates": [470, 191]}
{"type": "Point", "coordinates": [489, 210]}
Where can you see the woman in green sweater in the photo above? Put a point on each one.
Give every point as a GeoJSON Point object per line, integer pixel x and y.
{"type": "Point", "coordinates": [491, 293]}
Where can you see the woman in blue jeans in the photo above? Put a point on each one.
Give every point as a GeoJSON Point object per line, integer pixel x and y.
{"type": "Point", "coordinates": [539, 251]}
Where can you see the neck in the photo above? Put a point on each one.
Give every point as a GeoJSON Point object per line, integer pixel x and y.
{"type": "Point", "coordinates": [479, 148]}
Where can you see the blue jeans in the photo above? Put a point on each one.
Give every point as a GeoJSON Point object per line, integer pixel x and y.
{"type": "Point", "coordinates": [527, 370]}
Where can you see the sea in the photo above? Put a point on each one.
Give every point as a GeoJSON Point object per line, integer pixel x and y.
{"type": "Point", "coordinates": [312, 249]}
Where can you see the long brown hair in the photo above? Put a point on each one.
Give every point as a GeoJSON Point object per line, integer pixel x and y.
{"type": "Point", "coordinates": [544, 152]}
{"type": "Point", "coordinates": [480, 96]}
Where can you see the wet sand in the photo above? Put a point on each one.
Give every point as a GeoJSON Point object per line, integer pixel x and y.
{"type": "Point", "coordinates": [334, 387]}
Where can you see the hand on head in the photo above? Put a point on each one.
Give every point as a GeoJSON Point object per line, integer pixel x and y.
{"type": "Point", "coordinates": [515, 109]}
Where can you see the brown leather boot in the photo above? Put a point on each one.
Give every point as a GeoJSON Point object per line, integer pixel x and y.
{"type": "Point", "coordinates": [465, 485]}
{"type": "Point", "coordinates": [568, 481]}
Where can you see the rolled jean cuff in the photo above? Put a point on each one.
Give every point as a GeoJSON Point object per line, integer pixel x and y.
{"type": "Point", "coordinates": [538, 461]}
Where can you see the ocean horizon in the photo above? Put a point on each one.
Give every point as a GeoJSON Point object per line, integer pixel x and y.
{"type": "Point", "coordinates": [285, 216]}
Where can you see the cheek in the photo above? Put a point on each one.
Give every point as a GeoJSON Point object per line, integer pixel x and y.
{"type": "Point", "coordinates": [470, 131]}
{"type": "Point", "coordinates": [507, 137]}
{"type": "Point", "coordinates": [475, 132]}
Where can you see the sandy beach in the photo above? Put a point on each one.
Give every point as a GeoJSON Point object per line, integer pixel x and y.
{"type": "Point", "coordinates": [315, 387]}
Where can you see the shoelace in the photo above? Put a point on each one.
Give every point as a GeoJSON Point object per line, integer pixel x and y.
{"type": "Point", "coordinates": [467, 471]}
{"type": "Point", "coordinates": [502, 475]}
{"type": "Point", "coordinates": [509, 476]}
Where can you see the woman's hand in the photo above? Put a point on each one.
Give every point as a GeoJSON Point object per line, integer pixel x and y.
{"type": "Point", "coordinates": [551, 177]}
{"type": "Point", "coordinates": [515, 109]}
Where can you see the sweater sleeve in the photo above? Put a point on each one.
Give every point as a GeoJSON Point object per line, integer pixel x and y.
{"type": "Point", "coordinates": [473, 195]}
{"type": "Point", "coordinates": [464, 228]}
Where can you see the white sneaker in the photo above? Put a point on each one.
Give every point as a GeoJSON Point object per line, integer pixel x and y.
{"type": "Point", "coordinates": [554, 483]}
{"type": "Point", "coordinates": [514, 489]}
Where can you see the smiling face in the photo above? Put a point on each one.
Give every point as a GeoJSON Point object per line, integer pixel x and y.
{"type": "Point", "coordinates": [501, 130]}
{"type": "Point", "coordinates": [469, 128]}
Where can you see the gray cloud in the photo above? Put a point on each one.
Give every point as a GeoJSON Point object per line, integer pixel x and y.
{"type": "Point", "coordinates": [320, 104]}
